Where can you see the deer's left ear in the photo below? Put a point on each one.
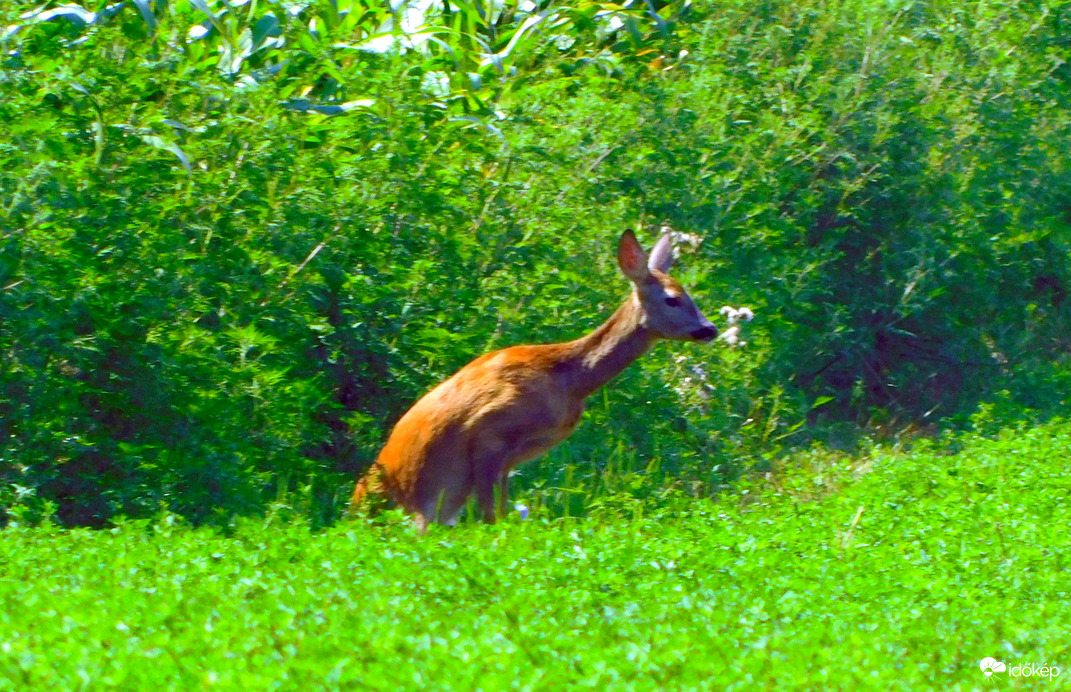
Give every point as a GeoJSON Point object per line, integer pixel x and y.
{"type": "Point", "coordinates": [662, 254]}
{"type": "Point", "coordinates": [632, 258]}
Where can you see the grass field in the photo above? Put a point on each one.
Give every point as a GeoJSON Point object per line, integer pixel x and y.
{"type": "Point", "coordinates": [901, 570]}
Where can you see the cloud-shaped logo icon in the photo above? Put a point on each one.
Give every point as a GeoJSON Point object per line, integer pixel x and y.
{"type": "Point", "coordinates": [991, 665]}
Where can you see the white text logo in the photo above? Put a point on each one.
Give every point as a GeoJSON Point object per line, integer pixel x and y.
{"type": "Point", "coordinates": [990, 666]}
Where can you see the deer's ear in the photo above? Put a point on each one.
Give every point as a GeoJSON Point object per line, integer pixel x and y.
{"type": "Point", "coordinates": [631, 257]}
{"type": "Point", "coordinates": [662, 254]}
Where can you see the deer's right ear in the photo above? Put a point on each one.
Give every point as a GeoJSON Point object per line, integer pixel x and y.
{"type": "Point", "coordinates": [631, 257]}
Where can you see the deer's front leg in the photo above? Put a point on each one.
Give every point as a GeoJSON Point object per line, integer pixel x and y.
{"type": "Point", "coordinates": [492, 492]}
{"type": "Point", "coordinates": [489, 470]}
{"type": "Point", "coordinates": [503, 494]}
{"type": "Point", "coordinates": [488, 481]}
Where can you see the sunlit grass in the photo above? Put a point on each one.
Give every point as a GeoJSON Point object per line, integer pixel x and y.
{"type": "Point", "coordinates": [903, 576]}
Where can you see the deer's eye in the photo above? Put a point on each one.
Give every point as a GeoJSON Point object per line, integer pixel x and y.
{"type": "Point", "coordinates": [673, 302]}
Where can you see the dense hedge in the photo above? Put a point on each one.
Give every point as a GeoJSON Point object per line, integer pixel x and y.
{"type": "Point", "coordinates": [219, 287]}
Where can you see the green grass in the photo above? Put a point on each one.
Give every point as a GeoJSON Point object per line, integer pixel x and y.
{"type": "Point", "coordinates": [899, 571]}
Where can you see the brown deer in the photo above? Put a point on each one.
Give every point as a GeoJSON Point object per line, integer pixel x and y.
{"type": "Point", "coordinates": [513, 405]}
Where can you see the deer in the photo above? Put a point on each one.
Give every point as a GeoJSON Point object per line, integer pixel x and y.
{"type": "Point", "coordinates": [513, 405]}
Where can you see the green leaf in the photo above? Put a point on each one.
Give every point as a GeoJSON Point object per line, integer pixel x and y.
{"type": "Point", "coordinates": [145, 9]}
{"type": "Point", "coordinates": [167, 145]}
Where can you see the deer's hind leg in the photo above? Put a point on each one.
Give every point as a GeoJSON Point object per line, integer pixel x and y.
{"type": "Point", "coordinates": [444, 488]}
{"type": "Point", "coordinates": [443, 508]}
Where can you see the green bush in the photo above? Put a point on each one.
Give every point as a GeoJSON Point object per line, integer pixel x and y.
{"type": "Point", "coordinates": [231, 258]}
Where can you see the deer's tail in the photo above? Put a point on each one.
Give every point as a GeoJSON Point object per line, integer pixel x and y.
{"type": "Point", "coordinates": [370, 484]}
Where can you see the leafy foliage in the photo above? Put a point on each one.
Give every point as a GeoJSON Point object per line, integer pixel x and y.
{"type": "Point", "coordinates": [920, 564]}
{"type": "Point", "coordinates": [239, 239]}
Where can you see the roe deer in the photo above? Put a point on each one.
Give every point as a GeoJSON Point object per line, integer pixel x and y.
{"type": "Point", "coordinates": [512, 405]}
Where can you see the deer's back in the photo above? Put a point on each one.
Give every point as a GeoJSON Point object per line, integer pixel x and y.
{"type": "Point", "coordinates": [511, 399]}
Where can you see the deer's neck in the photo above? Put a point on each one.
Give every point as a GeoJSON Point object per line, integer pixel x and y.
{"type": "Point", "coordinates": [601, 355]}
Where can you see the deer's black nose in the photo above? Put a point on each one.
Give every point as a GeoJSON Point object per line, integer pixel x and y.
{"type": "Point", "coordinates": [705, 333]}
